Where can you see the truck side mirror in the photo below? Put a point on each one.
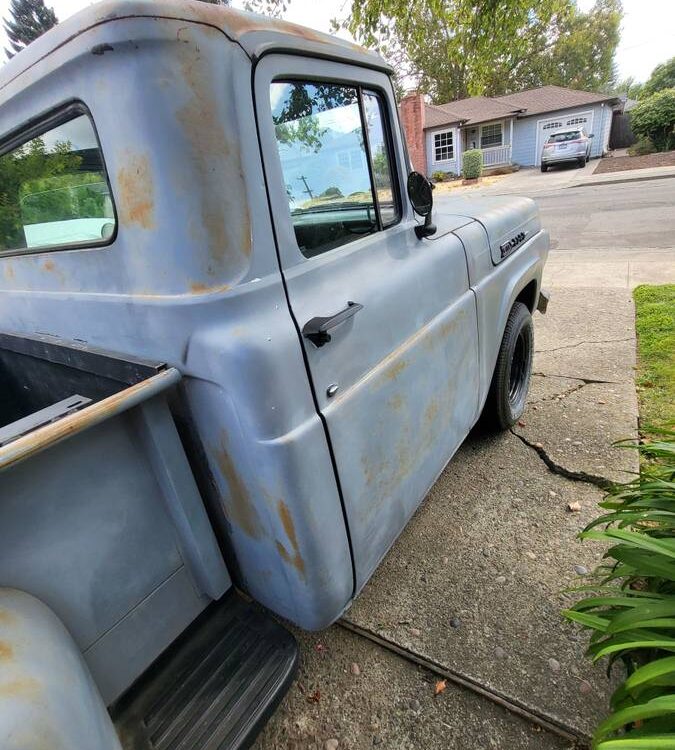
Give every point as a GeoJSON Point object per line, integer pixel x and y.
{"type": "Point", "coordinates": [421, 197]}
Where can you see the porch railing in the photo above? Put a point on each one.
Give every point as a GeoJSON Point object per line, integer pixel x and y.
{"type": "Point", "coordinates": [496, 155]}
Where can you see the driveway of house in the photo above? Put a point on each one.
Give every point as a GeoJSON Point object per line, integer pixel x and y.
{"type": "Point", "coordinates": [457, 641]}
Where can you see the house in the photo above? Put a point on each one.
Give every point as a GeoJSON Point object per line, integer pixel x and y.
{"type": "Point", "coordinates": [508, 129]}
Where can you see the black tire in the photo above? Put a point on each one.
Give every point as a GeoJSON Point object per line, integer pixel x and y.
{"type": "Point", "coordinates": [581, 162]}
{"type": "Point", "coordinates": [544, 168]}
{"type": "Point", "coordinates": [511, 379]}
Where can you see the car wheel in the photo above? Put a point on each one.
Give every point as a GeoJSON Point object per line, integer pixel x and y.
{"type": "Point", "coordinates": [511, 379]}
{"type": "Point", "coordinates": [582, 162]}
{"type": "Point", "coordinates": [544, 168]}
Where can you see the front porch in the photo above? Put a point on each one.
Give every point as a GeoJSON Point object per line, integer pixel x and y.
{"type": "Point", "coordinates": [493, 139]}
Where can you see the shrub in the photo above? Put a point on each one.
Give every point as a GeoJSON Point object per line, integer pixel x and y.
{"type": "Point", "coordinates": [331, 192]}
{"type": "Point", "coordinates": [631, 609]}
{"type": "Point", "coordinates": [472, 164]}
{"type": "Point", "coordinates": [654, 118]}
{"type": "Point", "coordinates": [439, 176]}
{"type": "Point", "coordinates": [643, 147]}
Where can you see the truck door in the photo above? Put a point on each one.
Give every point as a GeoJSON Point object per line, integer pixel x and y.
{"type": "Point", "coordinates": [388, 322]}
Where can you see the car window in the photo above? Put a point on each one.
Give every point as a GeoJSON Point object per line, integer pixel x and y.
{"type": "Point", "coordinates": [570, 135]}
{"type": "Point", "coordinates": [337, 173]}
{"type": "Point", "coordinates": [54, 190]}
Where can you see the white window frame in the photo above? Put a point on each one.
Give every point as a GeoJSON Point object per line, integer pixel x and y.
{"type": "Point", "coordinates": [490, 124]}
{"type": "Point", "coordinates": [451, 145]}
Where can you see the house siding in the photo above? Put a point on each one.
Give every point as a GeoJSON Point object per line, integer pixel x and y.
{"type": "Point", "coordinates": [525, 132]}
{"type": "Point", "coordinates": [450, 165]}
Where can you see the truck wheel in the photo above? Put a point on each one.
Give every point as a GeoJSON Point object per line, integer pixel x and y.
{"type": "Point", "coordinates": [544, 168]}
{"type": "Point", "coordinates": [511, 379]}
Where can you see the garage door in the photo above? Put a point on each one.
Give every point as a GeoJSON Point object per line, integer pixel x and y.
{"type": "Point", "coordinates": [546, 127]}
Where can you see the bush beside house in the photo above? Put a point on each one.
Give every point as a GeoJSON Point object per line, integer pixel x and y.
{"type": "Point", "coordinates": [472, 164]}
{"type": "Point", "coordinates": [653, 119]}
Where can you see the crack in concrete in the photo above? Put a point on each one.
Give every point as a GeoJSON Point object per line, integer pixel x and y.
{"type": "Point", "coordinates": [585, 381]}
{"type": "Point", "coordinates": [559, 396]}
{"type": "Point", "coordinates": [528, 712]}
{"type": "Point", "coordinates": [581, 343]}
{"type": "Point", "coordinates": [576, 476]}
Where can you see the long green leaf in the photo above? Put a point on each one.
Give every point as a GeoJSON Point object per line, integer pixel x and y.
{"type": "Point", "coordinates": [664, 742]}
{"type": "Point", "coordinates": [655, 707]}
{"type": "Point", "coordinates": [650, 672]}
{"type": "Point", "coordinates": [645, 611]}
{"type": "Point", "coordinates": [642, 541]}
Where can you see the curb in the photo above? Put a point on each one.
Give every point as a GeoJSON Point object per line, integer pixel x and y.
{"type": "Point", "coordinates": [643, 178]}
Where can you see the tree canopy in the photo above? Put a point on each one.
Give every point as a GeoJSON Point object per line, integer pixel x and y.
{"type": "Point", "coordinates": [458, 48]}
{"type": "Point", "coordinates": [662, 77]}
{"type": "Point", "coordinates": [28, 19]}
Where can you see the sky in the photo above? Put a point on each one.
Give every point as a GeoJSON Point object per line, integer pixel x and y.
{"type": "Point", "coordinates": [647, 31]}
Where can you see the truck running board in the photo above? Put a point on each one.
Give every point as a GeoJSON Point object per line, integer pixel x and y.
{"type": "Point", "coordinates": [215, 686]}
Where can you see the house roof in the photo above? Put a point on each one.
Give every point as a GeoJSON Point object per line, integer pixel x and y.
{"type": "Point", "coordinates": [551, 98]}
{"type": "Point", "coordinates": [477, 109]}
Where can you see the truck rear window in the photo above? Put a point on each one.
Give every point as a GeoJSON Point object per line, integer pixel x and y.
{"type": "Point", "coordinates": [54, 190]}
{"type": "Point", "coordinates": [570, 135]}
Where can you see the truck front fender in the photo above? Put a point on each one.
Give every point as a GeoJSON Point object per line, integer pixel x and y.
{"type": "Point", "coordinates": [48, 699]}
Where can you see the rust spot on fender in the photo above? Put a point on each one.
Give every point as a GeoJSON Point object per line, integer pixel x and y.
{"type": "Point", "coordinates": [136, 192]}
{"type": "Point", "coordinates": [21, 687]}
{"type": "Point", "coordinates": [7, 618]}
{"type": "Point", "coordinates": [6, 651]}
{"type": "Point", "coordinates": [240, 510]}
{"type": "Point", "coordinates": [8, 272]}
{"type": "Point", "coordinates": [200, 288]}
{"type": "Point", "coordinates": [395, 369]}
{"type": "Point", "coordinates": [287, 521]}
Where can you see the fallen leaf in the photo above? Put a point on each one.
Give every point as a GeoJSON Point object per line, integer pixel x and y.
{"type": "Point", "coordinates": [521, 424]}
{"type": "Point", "coordinates": [320, 648]}
{"type": "Point", "coordinates": [314, 697]}
{"type": "Point", "coordinates": [574, 507]}
{"type": "Point", "coordinates": [440, 687]}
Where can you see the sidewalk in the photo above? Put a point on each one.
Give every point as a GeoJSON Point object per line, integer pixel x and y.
{"type": "Point", "coordinates": [629, 175]}
{"type": "Point", "coordinates": [609, 269]}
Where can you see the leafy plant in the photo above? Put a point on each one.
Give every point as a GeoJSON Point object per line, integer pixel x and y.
{"type": "Point", "coordinates": [642, 147]}
{"type": "Point", "coordinates": [662, 77]}
{"type": "Point", "coordinates": [631, 608]}
{"type": "Point", "coordinates": [439, 176]}
{"type": "Point", "coordinates": [472, 164]}
{"type": "Point", "coordinates": [654, 118]}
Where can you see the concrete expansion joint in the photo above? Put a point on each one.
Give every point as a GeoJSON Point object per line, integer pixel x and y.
{"type": "Point", "coordinates": [585, 381]}
{"type": "Point", "coordinates": [515, 706]}
{"type": "Point", "coordinates": [576, 476]}
{"type": "Point", "coordinates": [581, 343]}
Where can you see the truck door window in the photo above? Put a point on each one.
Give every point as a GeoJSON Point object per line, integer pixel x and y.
{"type": "Point", "coordinates": [54, 191]}
{"type": "Point", "coordinates": [337, 172]}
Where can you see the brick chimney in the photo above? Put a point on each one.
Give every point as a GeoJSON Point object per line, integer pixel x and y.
{"type": "Point", "coordinates": [412, 119]}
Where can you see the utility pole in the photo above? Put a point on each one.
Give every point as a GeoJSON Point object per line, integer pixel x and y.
{"type": "Point", "coordinates": [307, 189]}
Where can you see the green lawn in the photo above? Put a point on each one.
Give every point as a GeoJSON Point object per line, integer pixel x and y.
{"type": "Point", "coordinates": [655, 325]}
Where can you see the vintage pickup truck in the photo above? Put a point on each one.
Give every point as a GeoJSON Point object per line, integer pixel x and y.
{"type": "Point", "coordinates": [236, 350]}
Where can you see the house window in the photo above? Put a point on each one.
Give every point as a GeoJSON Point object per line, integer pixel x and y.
{"type": "Point", "coordinates": [352, 159]}
{"type": "Point", "coordinates": [552, 125]}
{"type": "Point", "coordinates": [491, 135]}
{"type": "Point", "coordinates": [577, 121]}
{"type": "Point", "coordinates": [443, 146]}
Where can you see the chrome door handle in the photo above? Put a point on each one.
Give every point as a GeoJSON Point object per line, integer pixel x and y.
{"type": "Point", "coordinates": [316, 329]}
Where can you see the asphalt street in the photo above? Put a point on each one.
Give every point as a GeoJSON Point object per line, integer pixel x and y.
{"type": "Point", "coordinates": [631, 216]}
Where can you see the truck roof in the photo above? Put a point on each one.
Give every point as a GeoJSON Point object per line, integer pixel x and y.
{"type": "Point", "coordinates": [255, 34]}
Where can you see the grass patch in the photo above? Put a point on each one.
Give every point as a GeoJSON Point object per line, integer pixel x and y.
{"type": "Point", "coordinates": [655, 326]}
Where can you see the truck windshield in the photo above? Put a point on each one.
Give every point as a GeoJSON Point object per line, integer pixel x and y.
{"type": "Point", "coordinates": [54, 190]}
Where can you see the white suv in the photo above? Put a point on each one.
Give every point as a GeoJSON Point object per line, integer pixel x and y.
{"type": "Point", "coordinates": [566, 145]}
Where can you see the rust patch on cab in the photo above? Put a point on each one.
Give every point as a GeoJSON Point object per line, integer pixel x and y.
{"type": "Point", "coordinates": [21, 687]}
{"type": "Point", "coordinates": [289, 527]}
{"type": "Point", "coordinates": [240, 509]}
{"type": "Point", "coordinates": [136, 197]}
{"type": "Point", "coordinates": [6, 651]}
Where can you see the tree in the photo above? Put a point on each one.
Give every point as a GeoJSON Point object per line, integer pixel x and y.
{"type": "Point", "coordinates": [628, 87]}
{"type": "Point", "coordinates": [662, 77]}
{"type": "Point", "coordinates": [654, 118]}
{"type": "Point", "coordinates": [28, 19]}
{"type": "Point", "coordinates": [458, 48]}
